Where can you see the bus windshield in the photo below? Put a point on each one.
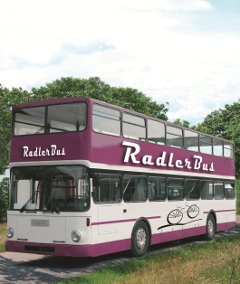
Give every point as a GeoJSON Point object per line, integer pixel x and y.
{"type": "Point", "coordinates": [55, 188]}
{"type": "Point", "coordinates": [51, 119]}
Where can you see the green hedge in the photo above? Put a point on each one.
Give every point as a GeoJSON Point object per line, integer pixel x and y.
{"type": "Point", "coordinates": [4, 184]}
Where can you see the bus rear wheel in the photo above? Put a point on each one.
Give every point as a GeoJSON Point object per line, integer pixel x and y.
{"type": "Point", "coordinates": [140, 239]}
{"type": "Point", "coordinates": [211, 227]}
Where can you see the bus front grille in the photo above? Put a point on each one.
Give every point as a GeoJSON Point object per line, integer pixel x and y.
{"type": "Point", "coordinates": [41, 250]}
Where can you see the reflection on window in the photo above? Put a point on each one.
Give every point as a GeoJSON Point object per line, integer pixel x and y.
{"type": "Point", "coordinates": [206, 190]}
{"type": "Point", "coordinates": [191, 140]}
{"type": "Point", "coordinates": [205, 144]}
{"type": "Point", "coordinates": [54, 118]}
{"type": "Point", "coordinates": [218, 190]}
{"type": "Point", "coordinates": [229, 190]}
{"type": "Point", "coordinates": [156, 131]}
{"type": "Point", "coordinates": [192, 189]}
{"type": "Point", "coordinates": [175, 189]}
{"type": "Point", "coordinates": [106, 188]}
{"type": "Point", "coordinates": [217, 147]}
{"type": "Point", "coordinates": [134, 188]}
{"type": "Point", "coordinates": [66, 117]}
{"type": "Point", "coordinates": [106, 120]}
{"type": "Point", "coordinates": [157, 188]}
{"type": "Point", "coordinates": [133, 126]}
{"type": "Point", "coordinates": [174, 136]}
{"type": "Point", "coordinates": [29, 121]}
{"type": "Point", "coordinates": [60, 188]}
{"type": "Point", "coordinates": [228, 150]}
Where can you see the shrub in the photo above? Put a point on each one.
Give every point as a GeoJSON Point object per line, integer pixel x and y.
{"type": "Point", "coordinates": [4, 184]}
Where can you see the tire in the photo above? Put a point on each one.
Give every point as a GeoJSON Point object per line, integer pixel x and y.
{"type": "Point", "coordinates": [140, 239]}
{"type": "Point", "coordinates": [210, 227]}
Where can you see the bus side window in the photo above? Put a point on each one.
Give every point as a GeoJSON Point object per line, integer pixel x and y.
{"type": "Point", "coordinates": [175, 189]}
{"type": "Point", "coordinates": [229, 190]}
{"type": "Point", "coordinates": [106, 120]}
{"type": "Point", "coordinates": [134, 126]}
{"type": "Point", "coordinates": [156, 132]}
{"type": "Point", "coordinates": [174, 136]}
{"type": "Point", "coordinates": [206, 188]}
{"type": "Point", "coordinates": [106, 188]}
{"type": "Point", "coordinates": [157, 188]}
{"type": "Point", "coordinates": [192, 189]}
{"type": "Point", "coordinates": [134, 188]}
{"type": "Point", "coordinates": [218, 190]}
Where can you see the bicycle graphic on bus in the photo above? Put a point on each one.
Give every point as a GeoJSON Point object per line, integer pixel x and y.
{"type": "Point", "coordinates": [175, 216]}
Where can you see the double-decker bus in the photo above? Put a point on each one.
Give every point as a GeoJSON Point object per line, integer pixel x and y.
{"type": "Point", "coordinates": [89, 178]}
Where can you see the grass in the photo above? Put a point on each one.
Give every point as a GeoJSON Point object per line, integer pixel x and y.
{"type": "Point", "coordinates": [213, 262]}
{"type": "Point", "coordinates": [3, 227]}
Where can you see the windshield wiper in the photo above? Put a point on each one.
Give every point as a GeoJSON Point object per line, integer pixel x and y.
{"type": "Point", "coordinates": [25, 205]}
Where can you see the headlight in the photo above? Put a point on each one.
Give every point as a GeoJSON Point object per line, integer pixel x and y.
{"type": "Point", "coordinates": [76, 236]}
{"type": "Point", "coordinates": [10, 232]}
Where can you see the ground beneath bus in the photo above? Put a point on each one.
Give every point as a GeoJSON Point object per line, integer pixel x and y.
{"type": "Point", "coordinates": [35, 269]}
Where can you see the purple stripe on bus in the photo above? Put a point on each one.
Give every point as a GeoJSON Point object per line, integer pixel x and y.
{"type": "Point", "coordinates": [107, 247]}
{"type": "Point", "coordinates": [220, 211]}
{"type": "Point", "coordinates": [123, 221]}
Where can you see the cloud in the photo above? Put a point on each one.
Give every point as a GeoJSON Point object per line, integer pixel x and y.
{"type": "Point", "coordinates": [160, 47]}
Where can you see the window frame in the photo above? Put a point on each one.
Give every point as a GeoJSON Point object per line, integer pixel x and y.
{"type": "Point", "coordinates": [157, 178]}
{"type": "Point", "coordinates": [164, 131]}
{"type": "Point", "coordinates": [105, 117]}
{"type": "Point", "coordinates": [124, 187]}
{"type": "Point", "coordinates": [186, 194]}
{"type": "Point", "coordinates": [124, 123]}
{"type": "Point", "coordinates": [168, 127]}
{"type": "Point", "coordinates": [201, 189]}
{"type": "Point", "coordinates": [107, 175]}
{"type": "Point", "coordinates": [182, 193]}
{"type": "Point", "coordinates": [45, 107]}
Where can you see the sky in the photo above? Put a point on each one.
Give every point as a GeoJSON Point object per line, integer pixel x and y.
{"type": "Point", "coordinates": [184, 52]}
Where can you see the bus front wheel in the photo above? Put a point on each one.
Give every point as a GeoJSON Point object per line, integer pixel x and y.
{"type": "Point", "coordinates": [211, 227]}
{"type": "Point", "coordinates": [140, 239]}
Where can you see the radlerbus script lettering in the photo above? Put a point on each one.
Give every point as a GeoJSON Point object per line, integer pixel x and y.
{"type": "Point", "coordinates": [51, 151]}
{"type": "Point", "coordinates": [164, 160]}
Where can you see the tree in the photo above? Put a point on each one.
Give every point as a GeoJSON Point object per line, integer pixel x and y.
{"type": "Point", "coordinates": [8, 98]}
{"type": "Point", "coordinates": [183, 123]}
{"type": "Point", "coordinates": [225, 123]}
{"type": "Point", "coordinates": [95, 88]}
{"type": "Point", "coordinates": [4, 184]}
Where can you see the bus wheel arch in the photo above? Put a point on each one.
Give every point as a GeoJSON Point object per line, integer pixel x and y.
{"type": "Point", "coordinates": [211, 225]}
{"type": "Point", "coordinates": [141, 237]}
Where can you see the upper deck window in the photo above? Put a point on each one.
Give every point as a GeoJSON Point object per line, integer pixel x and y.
{"type": "Point", "coordinates": [106, 120]}
{"type": "Point", "coordinates": [174, 136]}
{"type": "Point", "coordinates": [217, 147]}
{"type": "Point", "coordinates": [156, 131]}
{"type": "Point", "coordinates": [228, 150]}
{"type": "Point", "coordinates": [66, 117]}
{"type": "Point", "coordinates": [29, 121]}
{"type": "Point", "coordinates": [191, 140]}
{"type": "Point", "coordinates": [54, 118]}
{"type": "Point", "coordinates": [134, 126]}
{"type": "Point", "coordinates": [206, 144]}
